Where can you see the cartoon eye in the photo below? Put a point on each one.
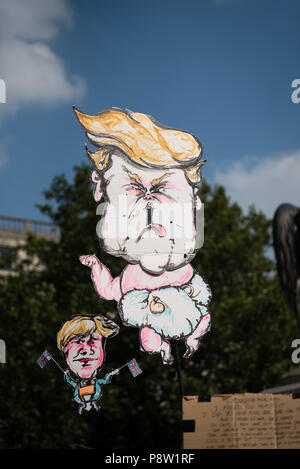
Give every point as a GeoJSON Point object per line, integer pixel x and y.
{"type": "Point", "coordinates": [157, 189]}
{"type": "Point", "coordinates": [135, 187]}
{"type": "Point", "coordinates": [79, 341]}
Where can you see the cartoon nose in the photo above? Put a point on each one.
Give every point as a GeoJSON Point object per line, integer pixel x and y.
{"type": "Point", "coordinates": [149, 213]}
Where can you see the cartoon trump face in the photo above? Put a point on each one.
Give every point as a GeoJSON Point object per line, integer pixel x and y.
{"type": "Point", "coordinates": [149, 177]}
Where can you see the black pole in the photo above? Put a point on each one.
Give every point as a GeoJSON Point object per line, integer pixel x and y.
{"type": "Point", "coordinates": [178, 369]}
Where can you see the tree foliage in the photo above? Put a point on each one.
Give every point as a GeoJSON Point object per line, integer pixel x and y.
{"type": "Point", "coordinates": [247, 349]}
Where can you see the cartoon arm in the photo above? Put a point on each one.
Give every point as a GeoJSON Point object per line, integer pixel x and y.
{"type": "Point", "coordinates": [69, 380]}
{"type": "Point", "coordinates": [108, 377]}
{"type": "Point", "coordinates": [106, 287]}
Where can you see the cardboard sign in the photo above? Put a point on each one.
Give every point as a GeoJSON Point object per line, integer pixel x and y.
{"type": "Point", "coordinates": [241, 421]}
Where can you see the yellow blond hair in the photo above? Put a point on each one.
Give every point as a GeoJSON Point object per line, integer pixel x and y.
{"type": "Point", "coordinates": [81, 325]}
{"type": "Point", "coordinates": [145, 141]}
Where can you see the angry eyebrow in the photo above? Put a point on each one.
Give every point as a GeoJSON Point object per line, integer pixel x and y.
{"type": "Point", "coordinates": [133, 176]}
{"type": "Point", "coordinates": [136, 178]}
{"type": "Point", "coordinates": [157, 181]}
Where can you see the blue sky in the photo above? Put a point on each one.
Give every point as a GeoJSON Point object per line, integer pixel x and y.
{"type": "Point", "coordinates": [221, 69]}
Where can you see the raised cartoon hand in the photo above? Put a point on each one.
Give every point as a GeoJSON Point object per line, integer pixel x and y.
{"type": "Point", "coordinates": [106, 287]}
{"type": "Point", "coordinates": [115, 372]}
{"type": "Point", "coordinates": [89, 260]}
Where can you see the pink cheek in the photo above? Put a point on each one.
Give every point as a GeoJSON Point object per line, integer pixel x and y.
{"type": "Point", "coordinates": [100, 359]}
{"type": "Point", "coordinates": [135, 192]}
{"type": "Point", "coordinates": [171, 186]}
{"type": "Point", "coordinates": [132, 199]}
{"type": "Point", "coordinates": [71, 349]}
{"type": "Point", "coordinates": [75, 347]}
{"type": "Point", "coordinates": [163, 198]}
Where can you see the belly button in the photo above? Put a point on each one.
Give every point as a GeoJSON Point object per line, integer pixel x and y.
{"type": "Point", "coordinates": [156, 306]}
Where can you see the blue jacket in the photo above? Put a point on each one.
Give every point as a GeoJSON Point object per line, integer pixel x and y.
{"type": "Point", "coordinates": [98, 387]}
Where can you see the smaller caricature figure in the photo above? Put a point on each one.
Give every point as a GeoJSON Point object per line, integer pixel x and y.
{"type": "Point", "coordinates": [82, 339]}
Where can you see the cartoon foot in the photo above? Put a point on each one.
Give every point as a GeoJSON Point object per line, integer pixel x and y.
{"type": "Point", "coordinates": [190, 351]}
{"type": "Point", "coordinates": [167, 358]}
{"type": "Point", "coordinates": [193, 340]}
{"type": "Point", "coordinates": [96, 406]}
{"type": "Point", "coordinates": [153, 343]}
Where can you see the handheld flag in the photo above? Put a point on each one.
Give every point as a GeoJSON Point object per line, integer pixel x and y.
{"type": "Point", "coordinates": [44, 359]}
{"type": "Point", "coordinates": [134, 367]}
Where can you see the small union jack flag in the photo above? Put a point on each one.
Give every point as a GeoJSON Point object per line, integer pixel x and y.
{"type": "Point", "coordinates": [134, 367]}
{"type": "Point", "coordinates": [44, 359]}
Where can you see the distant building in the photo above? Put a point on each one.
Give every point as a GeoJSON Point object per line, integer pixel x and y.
{"type": "Point", "coordinates": [289, 383]}
{"type": "Point", "coordinates": [14, 232]}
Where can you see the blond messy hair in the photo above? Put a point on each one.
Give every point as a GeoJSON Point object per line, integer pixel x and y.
{"type": "Point", "coordinates": [82, 325]}
{"type": "Point", "coordinates": [143, 140]}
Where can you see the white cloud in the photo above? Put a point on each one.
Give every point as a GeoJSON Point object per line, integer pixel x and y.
{"type": "Point", "coordinates": [265, 182]}
{"type": "Point", "coordinates": [33, 19]}
{"type": "Point", "coordinates": [33, 72]}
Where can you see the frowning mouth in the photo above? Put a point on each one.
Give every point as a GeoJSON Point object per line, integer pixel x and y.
{"type": "Point", "coordinates": [159, 230]}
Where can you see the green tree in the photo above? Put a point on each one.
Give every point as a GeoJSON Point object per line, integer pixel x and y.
{"type": "Point", "coordinates": [247, 349]}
